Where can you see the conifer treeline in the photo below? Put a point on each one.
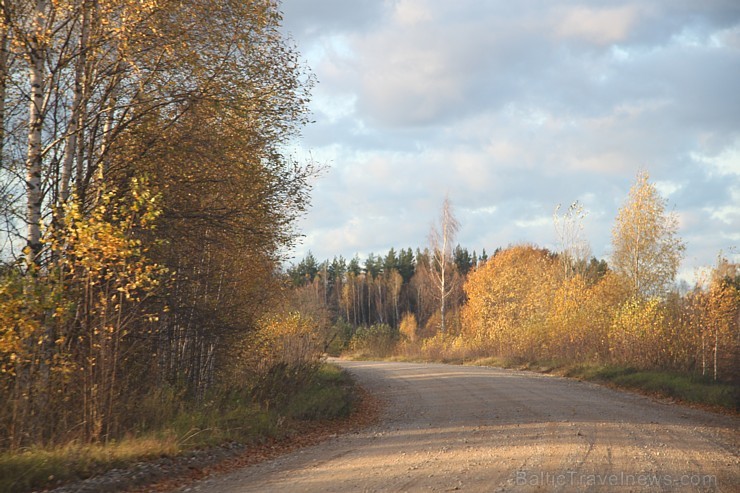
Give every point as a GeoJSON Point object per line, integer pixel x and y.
{"type": "Point", "coordinates": [382, 288]}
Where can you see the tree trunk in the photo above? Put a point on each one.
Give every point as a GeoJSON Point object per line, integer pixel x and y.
{"type": "Point", "coordinates": [716, 347]}
{"type": "Point", "coordinates": [703, 355]}
{"type": "Point", "coordinates": [34, 196]}
{"type": "Point", "coordinates": [4, 69]}
{"type": "Point", "coordinates": [442, 287]}
{"type": "Point", "coordinates": [76, 117]}
{"type": "Point", "coordinates": [441, 242]}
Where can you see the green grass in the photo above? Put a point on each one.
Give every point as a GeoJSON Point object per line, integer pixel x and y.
{"type": "Point", "coordinates": [329, 396]}
{"type": "Point", "coordinates": [687, 388]}
{"type": "Point", "coordinates": [233, 417]}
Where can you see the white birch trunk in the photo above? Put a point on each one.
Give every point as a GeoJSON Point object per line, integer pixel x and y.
{"type": "Point", "coordinates": [4, 69]}
{"type": "Point", "coordinates": [441, 242]}
{"type": "Point", "coordinates": [716, 349]}
{"type": "Point", "coordinates": [34, 196]}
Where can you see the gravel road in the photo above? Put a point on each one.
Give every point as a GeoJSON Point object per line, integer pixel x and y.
{"type": "Point", "coordinates": [448, 428]}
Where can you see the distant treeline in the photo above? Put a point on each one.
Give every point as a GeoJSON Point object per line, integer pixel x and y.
{"type": "Point", "coordinates": [383, 287]}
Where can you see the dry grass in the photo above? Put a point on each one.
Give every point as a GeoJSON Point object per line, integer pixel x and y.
{"type": "Point", "coordinates": [34, 468]}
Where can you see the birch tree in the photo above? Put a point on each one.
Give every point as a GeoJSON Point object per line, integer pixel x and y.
{"type": "Point", "coordinates": [574, 248]}
{"type": "Point", "coordinates": [719, 321]}
{"type": "Point", "coordinates": [646, 248]}
{"type": "Point", "coordinates": [4, 75]}
{"type": "Point", "coordinates": [441, 240]}
{"type": "Point", "coordinates": [36, 53]}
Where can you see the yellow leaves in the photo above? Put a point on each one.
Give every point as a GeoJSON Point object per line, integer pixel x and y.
{"type": "Point", "coordinates": [646, 248]}
{"type": "Point", "coordinates": [67, 316]}
{"type": "Point", "coordinates": [102, 247]}
{"type": "Point", "coordinates": [518, 305]}
{"type": "Point", "coordinates": [508, 297]}
{"type": "Point", "coordinates": [716, 320]}
{"type": "Point", "coordinates": [28, 306]}
{"type": "Point", "coordinates": [637, 334]}
{"type": "Point", "coordinates": [409, 327]}
{"type": "Point", "coordinates": [288, 338]}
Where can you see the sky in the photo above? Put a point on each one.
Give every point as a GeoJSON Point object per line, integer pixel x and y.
{"type": "Point", "coordinates": [511, 108]}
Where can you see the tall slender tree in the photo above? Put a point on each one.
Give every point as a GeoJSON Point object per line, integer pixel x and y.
{"type": "Point", "coordinates": [441, 240]}
{"type": "Point", "coordinates": [36, 46]}
{"type": "Point", "coordinates": [574, 249]}
{"type": "Point", "coordinates": [647, 250]}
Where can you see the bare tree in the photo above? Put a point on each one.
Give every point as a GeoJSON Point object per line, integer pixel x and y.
{"type": "Point", "coordinates": [441, 241]}
{"type": "Point", "coordinates": [574, 248]}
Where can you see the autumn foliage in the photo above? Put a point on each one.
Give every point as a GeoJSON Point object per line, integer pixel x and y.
{"type": "Point", "coordinates": [72, 337]}
{"type": "Point", "coordinates": [522, 305]}
{"type": "Point", "coordinates": [519, 308]}
{"type": "Point", "coordinates": [152, 202]}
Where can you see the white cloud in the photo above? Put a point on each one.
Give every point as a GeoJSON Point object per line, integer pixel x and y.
{"type": "Point", "coordinates": [600, 26]}
{"type": "Point", "coordinates": [411, 12]}
{"type": "Point", "coordinates": [492, 209]}
{"type": "Point", "coordinates": [535, 222]}
{"type": "Point", "coordinates": [728, 214]}
{"type": "Point", "coordinates": [666, 188]}
{"type": "Point", "coordinates": [336, 107]}
{"type": "Point", "coordinates": [727, 38]}
{"type": "Point", "coordinates": [726, 162]}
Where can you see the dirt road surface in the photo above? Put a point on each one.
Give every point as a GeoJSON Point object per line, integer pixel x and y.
{"type": "Point", "coordinates": [449, 428]}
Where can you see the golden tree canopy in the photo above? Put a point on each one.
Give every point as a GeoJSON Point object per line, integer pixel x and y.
{"type": "Point", "coordinates": [646, 248]}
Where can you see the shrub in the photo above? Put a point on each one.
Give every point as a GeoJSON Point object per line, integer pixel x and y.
{"type": "Point", "coordinates": [444, 347]}
{"type": "Point", "coordinates": [341, 334]}
{"type": "Point", "coordinates": [378, 340]}
{"type": "Point", "coordinates": [409, 327]}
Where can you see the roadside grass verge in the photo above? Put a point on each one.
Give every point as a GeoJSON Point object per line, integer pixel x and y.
{"type": "Point", "coordinates": [687, 388]}
{"type": "Point", "coordinates": [37, 467]}
{"type": "Point", "coordinates": [694, 389]}
{"type": "Point", "coordinates": [330, 395]}
{"type": "Point", "coordinates": [223, 419]}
